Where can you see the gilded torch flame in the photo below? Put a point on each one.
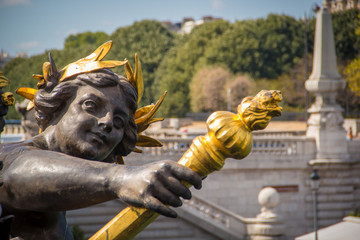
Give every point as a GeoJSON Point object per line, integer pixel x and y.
{"type": "Point", "coordinates": [229, 136]}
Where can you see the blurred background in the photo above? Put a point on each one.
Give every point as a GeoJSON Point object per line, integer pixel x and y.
{"type": "Point", "coordinates": [238, 47]}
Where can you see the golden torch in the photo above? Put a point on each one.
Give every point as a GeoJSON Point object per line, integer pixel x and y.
{"type": "Point", "coordinates": [229, 136]}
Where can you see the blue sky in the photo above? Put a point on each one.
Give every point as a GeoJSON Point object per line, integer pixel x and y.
{"type": "Point", "coordinates": [34, 26]}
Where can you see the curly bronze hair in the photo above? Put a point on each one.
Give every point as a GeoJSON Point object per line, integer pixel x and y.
{"type": "Point", "coordinates": [50, 103]}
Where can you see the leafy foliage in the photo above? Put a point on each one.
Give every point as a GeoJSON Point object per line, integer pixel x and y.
{"type": "Point", "coordinates": [349, 98]}
{"type": "Point", "coordinates": [209, 89]}
{"type": "Point", "coordinates": [241, 86]}
{"type": "Point", "coordinates": [352, 73]}
{"type": "Point", "coordinates": [179, 65]}
{"type": "Point", "coordinates": [262, 47]}
{"type": "Point", "coordinates": [86, 38]}
{"type": "Point", "coordinates": [347, 43]}
{"type": "Point", "coordinates": [151, 40]}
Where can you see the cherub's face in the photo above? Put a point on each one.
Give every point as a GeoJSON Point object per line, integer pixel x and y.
{"type": "Point", "coordinates": [93, 124]}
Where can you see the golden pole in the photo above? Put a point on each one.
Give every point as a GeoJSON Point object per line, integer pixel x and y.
{"type": "Point", "coordinates": [229, 135]}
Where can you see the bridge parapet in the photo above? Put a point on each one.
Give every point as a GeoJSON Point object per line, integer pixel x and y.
{"type": "Point", "coordinates": [280, 147]}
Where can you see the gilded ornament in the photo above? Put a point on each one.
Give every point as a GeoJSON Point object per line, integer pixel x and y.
{"type": "Point", "coordinates": [8, 98]}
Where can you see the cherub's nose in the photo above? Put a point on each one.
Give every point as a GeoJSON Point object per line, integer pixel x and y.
{"type": "Point", "coordinates": [106, 122]}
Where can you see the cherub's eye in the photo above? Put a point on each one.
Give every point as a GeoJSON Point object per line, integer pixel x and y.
{"type": "Point", "coordinates": [89, 105]}
{"type": "Point", "coordinates": [118, 122]}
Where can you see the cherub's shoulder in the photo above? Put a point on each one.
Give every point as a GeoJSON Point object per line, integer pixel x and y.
{"type": "Point", "coordinates": [8, 149]}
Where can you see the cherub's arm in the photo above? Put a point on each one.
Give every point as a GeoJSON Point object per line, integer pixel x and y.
{"type": "Point", "coordinates": [40, 180]}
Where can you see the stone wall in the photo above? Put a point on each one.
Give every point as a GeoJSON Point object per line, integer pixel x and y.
{"type": "Point", "coordinates": [242, 182]}
{"type": "Point", "coordinates": [282, 163]}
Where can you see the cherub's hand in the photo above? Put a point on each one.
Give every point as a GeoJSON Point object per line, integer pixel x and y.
{"type": "Point", "coordinates": [156, 185]}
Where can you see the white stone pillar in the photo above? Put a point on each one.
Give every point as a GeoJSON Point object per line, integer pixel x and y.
{"type": "Point", "coordinates": [266, 225]}
{"type": "Point", "coordinates": [326, 120]}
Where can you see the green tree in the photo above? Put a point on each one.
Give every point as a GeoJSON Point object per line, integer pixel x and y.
{"type": "Point", "coordinates": [262, 47]}
{"type": "Point", "coordinates": [347, 40]}
{"type": "Point", "coordinates": [352, 73]}
{"type": "Point", "coordinates": [180, 64]}
{"type": "Point", "coordinates": [292, 85]}
{"type": "Point", "coordinates": [86, 38]}
{"type": "Point", "coordinates": [207, 89]}
{"type": "Point", "coordinates": [151, 40]}
{"type": "Point", "coordinates": [347, 43]}
{"type": "Point", "coordinates": [241, 86]}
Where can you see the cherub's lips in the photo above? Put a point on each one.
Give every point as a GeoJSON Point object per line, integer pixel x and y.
{"type": "Point", "coordinates": [99, 138]}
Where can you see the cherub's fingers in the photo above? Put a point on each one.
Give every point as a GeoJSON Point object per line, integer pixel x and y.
{"type": "Point", "coordinates": [176, 187]}
{"type": "Point", "coordinates": [155, 205]}
{"type": "Point", "coordinates": [166, 196]}
{"type": "Point", "coordinates": [186, 174]}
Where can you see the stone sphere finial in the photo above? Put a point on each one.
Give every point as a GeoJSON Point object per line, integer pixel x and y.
{"type": "Point", "coordinates": [268, 199]}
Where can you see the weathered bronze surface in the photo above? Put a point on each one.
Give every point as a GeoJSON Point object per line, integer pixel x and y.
{"type": "Point", "coordinates": [28, 121]}
{"type": "Point", "coordinates": [229, 135]}
{"type": "Point", "coordinates": [88, 121]}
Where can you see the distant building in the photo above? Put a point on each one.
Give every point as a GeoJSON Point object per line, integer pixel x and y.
{"type": "Point", "coordinates": [342, 5]}
{"type": "Point", "coordinates": [4, 58]}
{"type": "Point", "coordinates": [174, 27]}
{"type": "Point", "coordinates": [187, 24]}
{"type": "Point", "coordinates": [22, 54]}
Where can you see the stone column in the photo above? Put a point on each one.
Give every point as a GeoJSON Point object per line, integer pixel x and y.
{"type": "Point", "coordinates": [326, 120]}
{"type": "Point", "coordinates": [267, 225]}
{"type": "Point", "coordinates": [336, 195]}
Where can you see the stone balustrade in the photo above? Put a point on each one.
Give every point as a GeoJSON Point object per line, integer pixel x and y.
{"type": "Point", "coordinates": [266, 225]}
{"type": "Point", "coordinates": [220, 215]}
{"type": "Point", "coordinates": [276, 134]}
{"type": "Point", "coordinates": [176, 143]}
{"type": "Point", "coordinates": [13, 129]}
{"type": "Point", "coordinates": [173, 133]}
{"type": "Point", "coordinates": [285, 145]}
{"type": "Point", "coordinates": [262, 144]}
{"type": "Point", "coordinates": [12, 133]}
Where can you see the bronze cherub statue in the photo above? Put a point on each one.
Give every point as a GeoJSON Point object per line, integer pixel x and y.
{"type": "Point", "coordinates": [89, 119]}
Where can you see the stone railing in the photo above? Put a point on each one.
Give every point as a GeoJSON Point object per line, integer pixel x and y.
{"type": "Point", "coordinates": [217, 214]}
{"type": "Point", "coordinates": [285, 146]}
{"type": "Point", "coordinates": [13, 129]}
{"type": "Point", "coordinates": [171, 146]}
{"type": "Point", "coordinates": [265, 225]}
{"type": "Point", "coordinates": [13, 132]}
{"type": "Point", "coordinates": [290, 145]}
{"type": "Point", "coordinates": [277, 134]}
{"type": "Point", "coordinates": [173, 133]}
